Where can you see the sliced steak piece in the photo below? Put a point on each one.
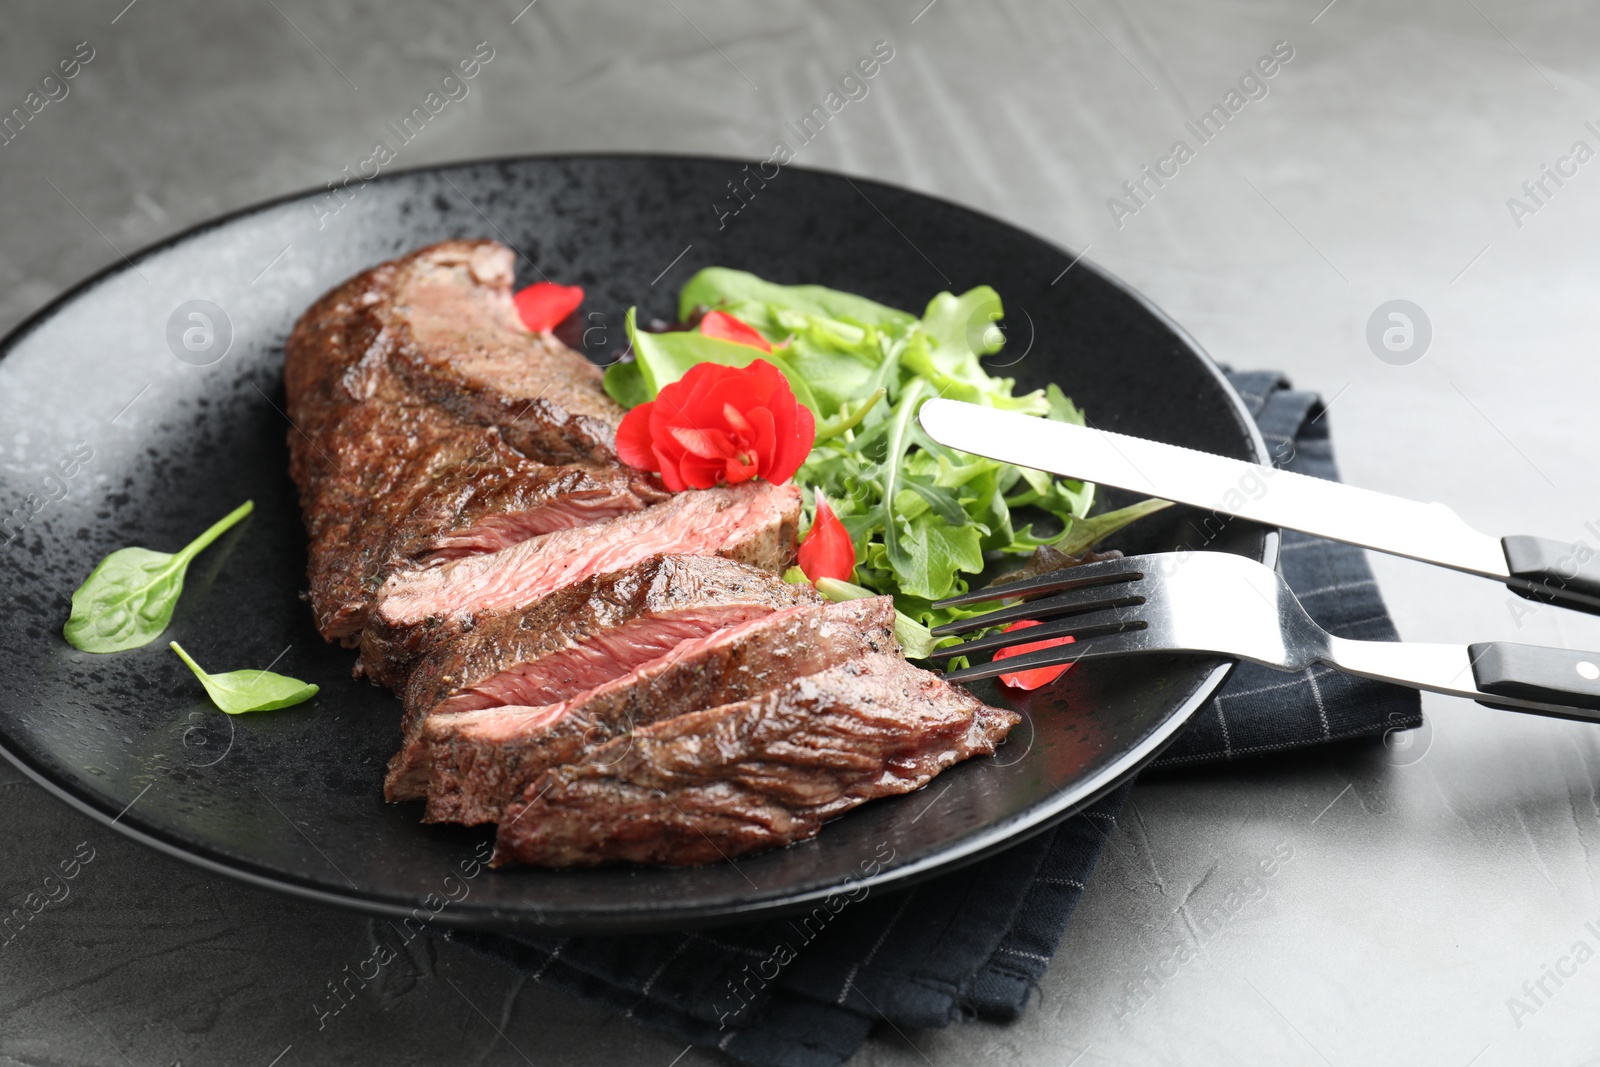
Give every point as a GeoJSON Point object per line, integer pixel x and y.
{"type": "Point", "coordinates": [490, 502]}
{"type": "Point", "coordinates": [408, 370]}
{"type": "Point", "coordinates": [755, 774]}
{"type": "Point", "coordinates": [479, 761]}
{"type": "Point", "coordinates": [433, 490]}
{"type": "Point", "coordinates": [580, 637]}
{"type": "Point", "coordinates": [753, 523]}
{"type": "Point", "coordinates": [460, 343]}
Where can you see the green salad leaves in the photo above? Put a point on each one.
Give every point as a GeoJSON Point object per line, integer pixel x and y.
{"type": "Point", "coordinates": [922, 517]}
{"type": "Point", "coordinates": [129, 598]}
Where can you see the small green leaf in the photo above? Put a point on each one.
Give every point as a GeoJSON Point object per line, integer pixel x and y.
{"type": "Point", "coordinates": [129, 598]}
{"type": "Point", "coordinates": [937, 553]}
{"type": "Point", "coordinates": [943, 501]}
{"type": "Point", "coordinates": [659, 359]}
{"type": "Point", "coordinates": [916, 640]}
{"type": "Point", "coordinates": [1084, 534]}
{"type": "Point", "coordinates": [898, 442]}
{"type": "Point", "coordinates": [624, 383]}
{"type": "Point", "coordinates": [237, 692]}
{"type": "Point", "coordinates": [848, 420]}
{"type": "Point", "coordinates": [721, 287]}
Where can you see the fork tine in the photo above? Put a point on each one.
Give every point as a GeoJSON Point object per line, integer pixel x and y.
{"type": "Point", "coordinates": [1089, 598]}
{"type": "Point", "coordinates": [1121, 617]}
{"type": "Point", "coordinates": [1095, 647]}
{"type": "Point", "coordinates": [1104, 572]}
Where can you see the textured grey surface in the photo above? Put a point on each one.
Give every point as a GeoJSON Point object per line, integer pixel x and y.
{"type": "Point", "coordinates": [1426, 884]}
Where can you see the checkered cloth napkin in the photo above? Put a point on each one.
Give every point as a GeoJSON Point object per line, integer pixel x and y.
{"type": "Point", "coordinates": [974, 943]}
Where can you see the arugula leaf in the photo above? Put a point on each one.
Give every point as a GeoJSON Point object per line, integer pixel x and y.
{"type": "Point", "coordinates": [849, 420]}
{"type": "Point", "coordinates": [942, 500]}
{"type": "Point", "coordinates": [1084, 534]}
{"type": "Point", "coordinates": [962, 328]}
{"type": "Point", "coordinates": [129, 598]}
{"type": "Point", "coordinates": [237, 692]}
{"type": "Point", "coordinates": [898, 441]}
{"type": "Point", "coordinates": [937, 554]}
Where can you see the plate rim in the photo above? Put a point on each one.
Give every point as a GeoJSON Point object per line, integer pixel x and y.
{"type": "Point", "coordinates": [983, 843]}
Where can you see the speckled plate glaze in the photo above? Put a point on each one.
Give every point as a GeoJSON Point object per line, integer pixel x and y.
{"type": "Point", "coordinates": [125, 420]}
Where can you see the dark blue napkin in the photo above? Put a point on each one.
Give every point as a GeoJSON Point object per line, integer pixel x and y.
{"type": "Point", "coordinates": [975, 942]}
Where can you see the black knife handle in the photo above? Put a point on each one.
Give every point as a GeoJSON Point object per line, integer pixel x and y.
{"type": "Point", "coordinates": [1554, 572]}
{"type": "Point", "coordinates": [1534, 672]}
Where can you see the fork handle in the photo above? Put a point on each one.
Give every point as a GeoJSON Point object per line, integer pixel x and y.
{"type": "Point", "coordinates": [1554, 572]}
{"type": "Point", "coordinates": [1534, 672]}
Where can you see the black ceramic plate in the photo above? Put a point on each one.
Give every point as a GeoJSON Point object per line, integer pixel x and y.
{"type": "Point", "coordinates": [126, 420]}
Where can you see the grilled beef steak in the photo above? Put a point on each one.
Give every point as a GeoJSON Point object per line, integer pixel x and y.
{"type": "Point", "coordinates": [611, 672]}
{"type": "Point", "coordinates": [479, 761]}
{"type": "Point", "coordinates": [579, 637]}
{"type": "Point", "coordinates": [722, 782]}
{"type": "Point", "coordinates": [753, 523]}
{"type": "Point", "coordinates": [405, 385]}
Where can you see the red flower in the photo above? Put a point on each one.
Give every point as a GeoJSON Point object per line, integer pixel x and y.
{"type": "Point", "coordinates": [719, 424]}
{"type": "Point", "coordinates": [725, 327]}
{"type": "Point", "coordinates": [544, 304]}
{"type": "Point", "coordinates": [1037, 676]}
{"type": "Point", "coordinates": [826, 551]}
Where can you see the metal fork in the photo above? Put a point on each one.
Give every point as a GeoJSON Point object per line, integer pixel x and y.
{"type": "Point", "coordinates": [1219, 603]}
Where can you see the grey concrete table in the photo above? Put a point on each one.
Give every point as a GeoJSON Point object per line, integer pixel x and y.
{"type": "Point", "coordinates": [1436, 895]}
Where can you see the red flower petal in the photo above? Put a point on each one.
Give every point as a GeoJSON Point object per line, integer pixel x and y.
{"type": "Point", "coordinates": [700, 473]}
{"type": "Point", "coordinates": [667, 465]}
{"type": "Point", "coordinates": [736, 421]}
{"type": "Point", "coordinates": [725, 327]}
{"type": "Point", "coordinates": [633, 438]}
{"type": "Point", "coordinates": [705, 444]}
{"type": "Point", "coordinates": [736, 471]}
{"type": "Point", "coordinates": [1036, 676]}
{"type": "Point", "coordinates": [768, 380]}
{"type": "Point", "coordinates": [543, 305]}
{"type": "Point", "coordinates": [800, 439]}
{"type": "Point", "coordinates": [763, 440]}
{"type": "Point", "coordinates": [826, 551]}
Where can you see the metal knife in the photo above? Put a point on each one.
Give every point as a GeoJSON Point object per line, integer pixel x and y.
{"type": "Point", "coordinates": [1538, 568]}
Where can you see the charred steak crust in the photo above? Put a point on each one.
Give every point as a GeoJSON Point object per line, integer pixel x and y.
{"type": "Point", "coordinates": [604, 625]}
{"type": "Point", "coordinates": [480, 761]}
{"type": "Point", "coordinates": [374, 374]}
{"type": "Point", "coordinates": [754, 523]}
{"type": "Point", "coordinates": [756, 774]}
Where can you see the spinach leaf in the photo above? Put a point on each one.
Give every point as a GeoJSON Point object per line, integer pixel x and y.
{"type": "Point", "coordinates": [659, 359]}
{"type": "Point", "coordinates": [129, 598]}
{"type": "Point", "coordinates": [721, 289]}
{"type": "Point", "coordinates": [237, 692]}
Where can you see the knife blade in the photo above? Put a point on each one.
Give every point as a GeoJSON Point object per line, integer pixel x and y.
{"type": "Point", "coordinates": [1534, 567]}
